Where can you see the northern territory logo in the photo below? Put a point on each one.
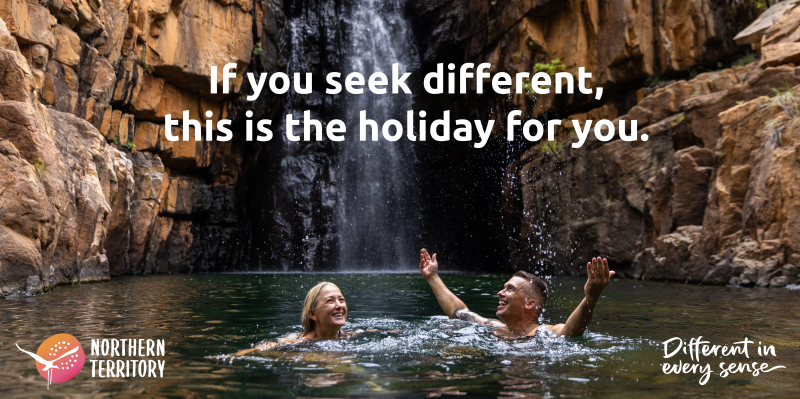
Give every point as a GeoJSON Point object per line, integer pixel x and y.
{"type": "Point", "coordinates": [66, 358]}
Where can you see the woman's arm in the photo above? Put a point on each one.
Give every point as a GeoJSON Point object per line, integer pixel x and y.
{"type": "Point", "coordinates": [264, 347]}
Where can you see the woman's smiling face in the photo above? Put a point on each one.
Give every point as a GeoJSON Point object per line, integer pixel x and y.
{"type": "Point", "coordinates": [331, 310]}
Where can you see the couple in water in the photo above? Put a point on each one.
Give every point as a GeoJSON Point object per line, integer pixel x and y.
{"type": "Point", "coordinates": [522, 300]}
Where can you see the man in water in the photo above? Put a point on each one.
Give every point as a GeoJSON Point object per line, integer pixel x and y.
{"type": "Point", "coordinates": [522, 300]}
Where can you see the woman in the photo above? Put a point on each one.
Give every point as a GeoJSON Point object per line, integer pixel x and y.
{"type": "Point", "coordinates": [324, 315]}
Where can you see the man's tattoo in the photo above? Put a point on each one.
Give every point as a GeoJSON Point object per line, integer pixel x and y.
{"type": "Point", "coordinates": [466, 315]}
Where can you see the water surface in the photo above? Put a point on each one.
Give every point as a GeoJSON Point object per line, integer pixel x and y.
{"type": "Point", "coordinates": [431, 356]}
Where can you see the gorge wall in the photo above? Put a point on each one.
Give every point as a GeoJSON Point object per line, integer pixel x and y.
{"type": "Point", "coordinates": [707, 199]}
{"type": "Point", "coordinates": [91, 188]}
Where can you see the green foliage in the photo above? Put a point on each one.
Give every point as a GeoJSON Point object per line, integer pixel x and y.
{"type": "Point", "coordinates": [142, 61]}
{"type": "Point", "coordinates": [129, 145]}
{"type": "Point", "coordinates": [678, 120]}
{"type": "Point", "coordinates": [551, 147]}
{"type": "Point", "coordinates": [549, 68]}
{"type": "Point", "coordinates": [526, 85]}
{"type": "Point", "coordinates": [115, 141]}
{"type": "Point", "coordinates": [278, 63]}
{"type": "Point", "coordinates": [786, 100]}
{"type": "Point", "coordinates": [40, 166]}
{"type": "Point", "coordinates": [744, 60]}
{"type": "Point", "coordinates": [653, 81]}
{"type": "Point", "coordinates": [762, 5]}
{"type": "Point", "coordinates": [493, 2]}
{"type": "Point", "coordinates": [790, 104]}
{"type": "Point", "coordinates": [257, 50]}
{"type": "Point", "coordinates": [740, 102]}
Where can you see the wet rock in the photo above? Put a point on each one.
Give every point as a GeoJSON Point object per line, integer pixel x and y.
{"type": "Point", "coordinates": [33, 285]}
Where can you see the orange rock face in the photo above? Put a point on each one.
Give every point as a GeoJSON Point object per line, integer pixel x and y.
{"type": "Point", "coordinates": [92, 187]}
{"type": "Point", "coordinates": [709, 198]}
{"type": "Point", "coordinates": [83, 92]}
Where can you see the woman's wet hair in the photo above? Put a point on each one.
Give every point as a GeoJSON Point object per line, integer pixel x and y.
{"type": "Point", "coordinates": [536, 283]}
{"type": "Point", "coordinates": [311, 303]}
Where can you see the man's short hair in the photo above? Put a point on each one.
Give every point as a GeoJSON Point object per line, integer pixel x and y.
{"type": "Point", "coordinates": [537, 284]}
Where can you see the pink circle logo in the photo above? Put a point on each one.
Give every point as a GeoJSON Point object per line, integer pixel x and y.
{"type": "Point", "coordinates": [59, 358]}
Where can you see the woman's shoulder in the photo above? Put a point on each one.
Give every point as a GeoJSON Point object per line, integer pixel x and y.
{"type": "Point", "coordinates": [293, 338]}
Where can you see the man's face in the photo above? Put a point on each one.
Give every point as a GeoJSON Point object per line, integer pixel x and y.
{"type": "Point", "coordinates": [514, 297]}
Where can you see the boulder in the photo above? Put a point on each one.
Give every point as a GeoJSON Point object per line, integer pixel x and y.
{"type": "Point", "coordinates": [786, 29]}
{"type": "Point", "coordinates": [754, 32]}
{"type": "Point", "coordinates": [779, 54]}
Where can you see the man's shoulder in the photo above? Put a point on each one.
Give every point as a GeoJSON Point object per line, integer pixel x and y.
{"type": "Point", "coordinates": [554, 328]}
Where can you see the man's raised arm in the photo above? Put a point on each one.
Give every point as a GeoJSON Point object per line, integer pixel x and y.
{"type": "Point", "coordinates": [452, 306]}
{"type": "Point", "coordinates": [597, 279]}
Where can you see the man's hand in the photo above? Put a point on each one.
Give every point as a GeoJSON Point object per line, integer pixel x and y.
{"type": "Point", "coordinates": [428, 266]}
{"type": "Point", "coordinates": [577, 322]}
{"type": "Point", "coordinates": [598, 276]}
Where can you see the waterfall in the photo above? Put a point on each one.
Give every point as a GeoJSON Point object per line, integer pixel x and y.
{"type": "Point", "coordinates": [378, 214]}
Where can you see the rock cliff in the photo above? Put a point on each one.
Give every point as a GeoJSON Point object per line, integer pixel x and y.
{"type": "Point", "coordinates": [91, 188]}
{"type": "Point", "coordinates": [709, 198]}
{"type": "Point", "coordinates": [623, 43]}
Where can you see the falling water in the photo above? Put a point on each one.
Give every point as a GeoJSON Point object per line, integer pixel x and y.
{"type": "Point", "coordinates": [378, 210]}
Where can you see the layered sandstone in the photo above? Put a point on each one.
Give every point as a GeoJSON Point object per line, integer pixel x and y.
{"type": "Point", "coordinates": [709, 198]}
{"type": "Point", "coordinates": [92, 187]}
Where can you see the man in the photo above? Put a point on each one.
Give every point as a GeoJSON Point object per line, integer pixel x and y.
{"type": "Point", "coordinates": [522, 300]}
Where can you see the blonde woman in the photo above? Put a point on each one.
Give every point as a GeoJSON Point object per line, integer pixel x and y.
{"type": "Point", "coordinates": [324, 315]}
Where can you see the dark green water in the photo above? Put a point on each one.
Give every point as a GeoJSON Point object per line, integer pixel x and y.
{"type": "Point", "coordinates": [207, 315]}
